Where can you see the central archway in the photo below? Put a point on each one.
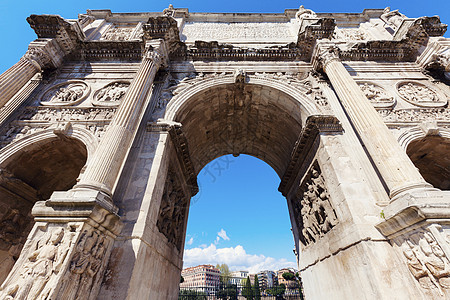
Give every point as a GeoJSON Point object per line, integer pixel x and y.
{"type": "Point", "coordinates": [254, 116]}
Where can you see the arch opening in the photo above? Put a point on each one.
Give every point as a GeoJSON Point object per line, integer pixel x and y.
{"type": "Point", "coordinates": [430, 156]}
{"type": "Point", "coordinates": [30, 175]}
{"type": "Point", "coordinates": [251, 119]}
{"type": "Point", "coordinates": [238, 218]}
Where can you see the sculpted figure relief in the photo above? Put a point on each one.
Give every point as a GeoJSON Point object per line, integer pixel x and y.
{"type": "Point", "coordinates": [417, 93]}
{"type": "Point", "coordinates": [376, 94]}
{"type": "Point", "coordinates": [65, 93]}
{"type": "Point", "coordinates": [113, 92]}
{"type": "Point", "coordinates": [392, 18]}
{"type": "Point", "coordinates": [172, 211]}
{"type": "Point", "coordinates": [427, 261]}
{"type": "Point", "coordinates": [85, 264]}
{"type": "Point", "coordinates": [41, 267]}
{"type": "Point", "coordinates": [304, 13]}
{"type": "Point", "coordinates": [317, 215]}
{"type": "Point", "coordinates": [117, 33]}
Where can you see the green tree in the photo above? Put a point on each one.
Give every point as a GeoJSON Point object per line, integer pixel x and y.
{"type": "Point", "coordinates": [256, 289]}
{"type": "Point", "coordinates": [277, 291]}
{"type": "Point", "coordinates": [227, 292]}
{"type": "Point", "coordinates": [289, 276]}
{"type": "Point", "coordinates": [247, 291]}
{"type": "Point", "coordinates": [225, 274]}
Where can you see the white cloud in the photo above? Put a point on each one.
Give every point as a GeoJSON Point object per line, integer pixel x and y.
{"type": "Point", "coordinates": [190, 242]}
{"type": "Point", "coordinates": [223, 234]}
{"type": "Point", "coordinates": [236, 258]}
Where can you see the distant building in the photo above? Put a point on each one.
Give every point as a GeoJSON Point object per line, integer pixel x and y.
{"type": "Point", "coordinates": [267, 279]}
{"type": "Point", "coordinates": [203, 278]}
{"type": "Point", "coordinates": [237, 277]}
{"type": "Point", "coordinates": [291, 285]}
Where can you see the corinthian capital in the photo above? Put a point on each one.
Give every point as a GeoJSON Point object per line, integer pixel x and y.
{"type": "Point", "coordinates": [325, 55]}
{"type": "Point", "coordinates": [38, 57]}
{"type": "Point", "coordinates": [156, 50]}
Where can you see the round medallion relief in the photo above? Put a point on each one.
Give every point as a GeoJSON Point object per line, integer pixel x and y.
{"type": "Point", "coordinates": [420, 94]}
{"type": "Point", "coordinates": [111, 94]}
{"type": "Point", "coordinates": [66, 93]}
{"type": "Point", "coordinates": [377, 95]}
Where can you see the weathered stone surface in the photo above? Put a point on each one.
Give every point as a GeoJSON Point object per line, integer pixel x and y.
{"type": "Point", "coordinates": [108, 119]}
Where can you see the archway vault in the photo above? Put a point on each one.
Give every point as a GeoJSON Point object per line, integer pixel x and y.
{"type": "Point", "coordinates": [262, 119]}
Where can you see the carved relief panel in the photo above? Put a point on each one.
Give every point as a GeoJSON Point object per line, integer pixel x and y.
{"type": "Point", "coordinates": [377, 95]}
{"type": "Point", "coordinates": [425, 252]}
{"type": "Point", "coordinates": [420, 94]}
{"type": "Point", "coordinates": [59, 261]}
{"type": "Point", "coordinates": [313, 210]}
{"type": "Point", "coordinates": [172, 212]}
{"type": "Point", "coordinates": [66, 93]}
{"type": "Point", "coordinates": [111, 94]}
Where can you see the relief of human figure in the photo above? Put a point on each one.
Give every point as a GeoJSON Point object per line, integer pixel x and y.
{"type": "Point", "coordinates": [435, 259]}
{"type": "Point", "coordinates": [41, 266]}
{"type": "Point", "coordinates": [392, 18]}
{"type": "Point", "coordinates": [79, 264]}
{"type": "Point", "coordinates": [95, 261]}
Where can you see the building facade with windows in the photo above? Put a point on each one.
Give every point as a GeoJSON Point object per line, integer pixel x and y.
{"type": "Point", "coordinates": [203, 277]}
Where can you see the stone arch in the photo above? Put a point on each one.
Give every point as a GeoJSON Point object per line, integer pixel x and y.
{"type": "Point", "coordinates": [292, 103]}
{"type": "Point", "coordinates": [428, 149]}
{"type": "Point", "coordinates": [31, 169]}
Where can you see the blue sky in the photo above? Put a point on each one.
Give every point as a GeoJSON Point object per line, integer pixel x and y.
{"type": "Point", "coordinates": [238, 217]}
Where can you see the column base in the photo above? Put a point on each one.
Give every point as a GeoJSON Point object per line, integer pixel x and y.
{"type": "Point", "coordinates": [414, 207]}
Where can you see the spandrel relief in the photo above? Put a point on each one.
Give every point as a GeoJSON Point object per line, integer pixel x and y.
{"type": "Point", "coordinates": [67, 93]}
{"type": "Point", "coordinates": [111, 95]}
{"type": "Point", "coordinates": [420, 94]}
{"type": "Point", "coordinates": [313, 211]}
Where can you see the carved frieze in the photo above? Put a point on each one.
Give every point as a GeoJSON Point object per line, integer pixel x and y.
{"type": "Point", "coordinates": [377, 95]}
{"type": "Point", "coordinates": [415, 115]}
{"type": "Point", "coordinates": [420, 94]}
{"type": "Point", "coordinates": [35, 119]}
{"type": "Point", "coordinates": [172, 211]}
{"type": "Point", "coordinates": [66, 93]}
{"type": "Point", "coordinates": [313, 211]}
{"type": "Point", "coordinates": [111, 94]}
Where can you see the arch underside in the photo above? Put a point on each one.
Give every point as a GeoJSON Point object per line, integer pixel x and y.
{"type": "Point", "coordinates": [241, 119]}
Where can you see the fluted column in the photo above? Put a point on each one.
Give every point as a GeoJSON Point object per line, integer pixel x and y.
{"type": "Point", "coordinates": [104, 167]}
{"type": "Point", "coordinates": [395, 167]}
{"type": "Point", "coordinates": [35, 59]}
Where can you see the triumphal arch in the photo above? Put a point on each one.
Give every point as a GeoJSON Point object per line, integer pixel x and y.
{"type": "Point", "coordinates": [107, 119]}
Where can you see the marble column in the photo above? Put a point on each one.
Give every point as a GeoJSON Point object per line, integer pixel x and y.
{"type": "Point", "coordinates": [38, 57]}
{"type": "Point", "coordinates": [395, 167]}
{"type": "Point", "coordinates": [105, 165]}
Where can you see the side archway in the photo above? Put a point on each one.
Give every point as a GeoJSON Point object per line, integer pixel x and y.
{"type": "Point", "coordinates": [31, 169]}
{"type": "Point", "coordinates": [429, 153]}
